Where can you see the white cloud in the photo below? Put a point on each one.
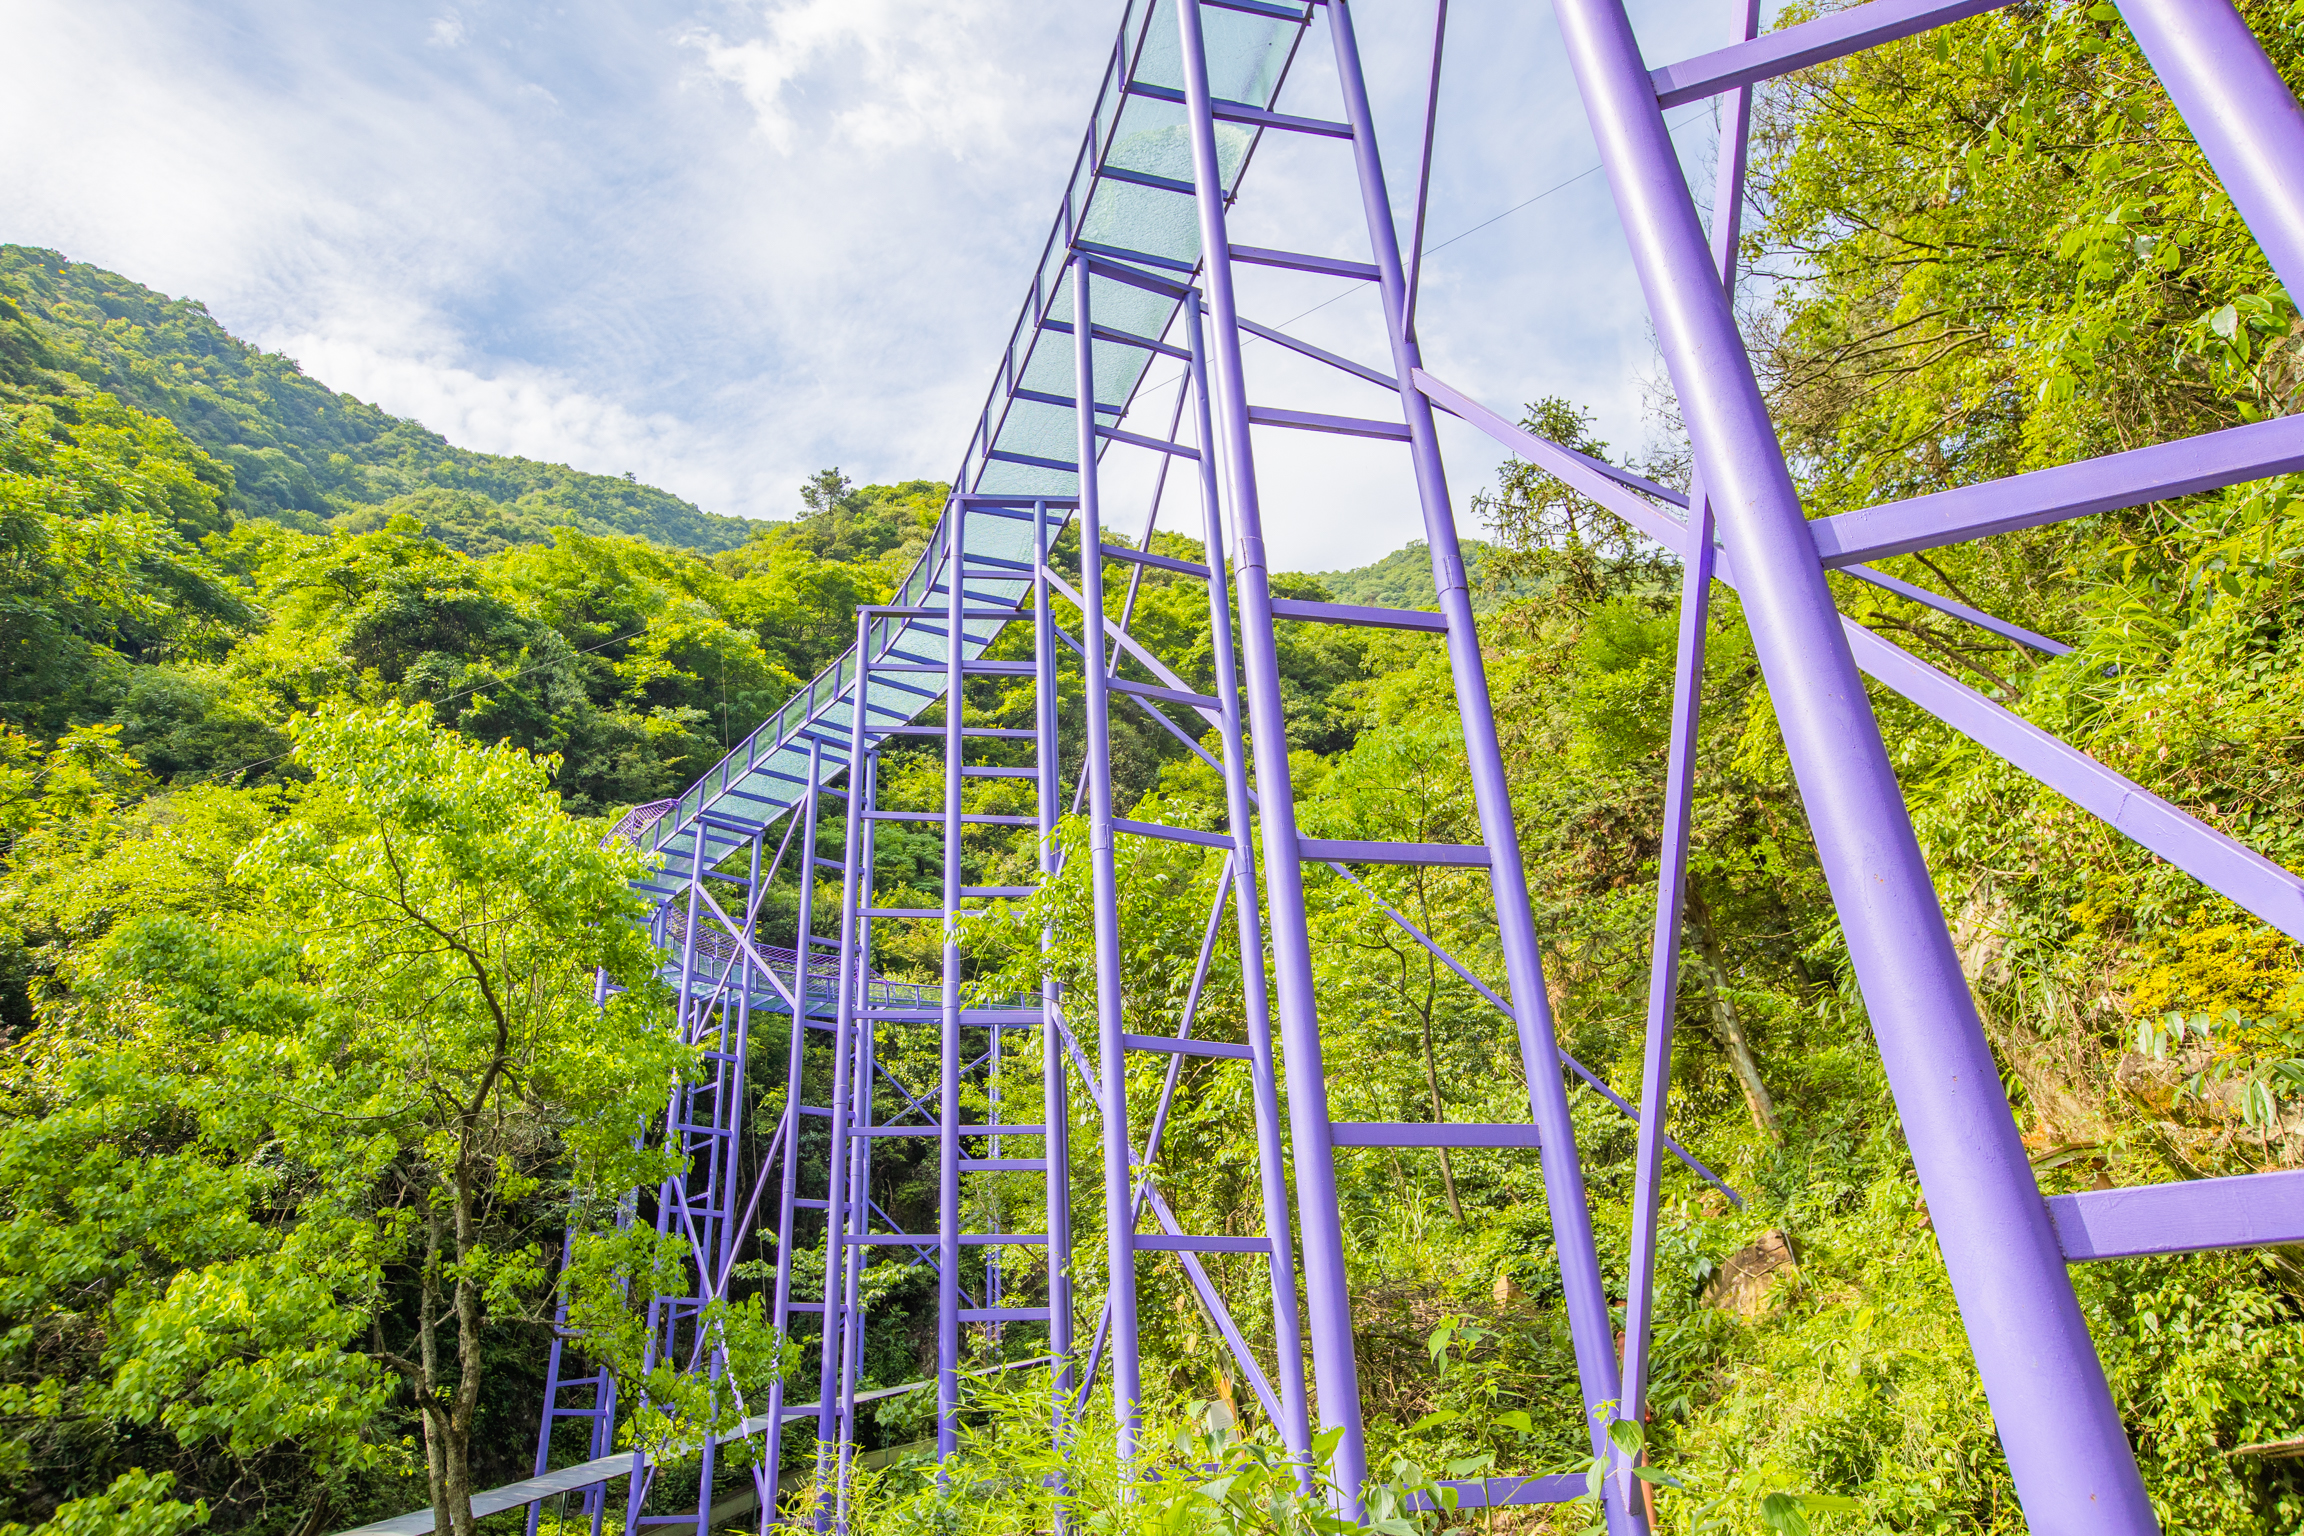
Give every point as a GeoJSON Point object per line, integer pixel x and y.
{"type": "Point", "coordinates": [925, 73]}
{"type": "Point", "coordinates": [447, 31]}
{"type": "Point", "coordinates": [524, 411]}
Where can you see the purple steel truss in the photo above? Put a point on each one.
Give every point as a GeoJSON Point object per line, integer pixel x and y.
{"type": "Point", "coordinates": [1141, 266]}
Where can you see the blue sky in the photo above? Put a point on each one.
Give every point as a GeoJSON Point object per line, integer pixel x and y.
{"type": "Point", "coordinates": [723, 244]}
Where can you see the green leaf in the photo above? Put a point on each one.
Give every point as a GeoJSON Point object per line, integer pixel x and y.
{"type": "Point", "coordinates": [1782, 1512]}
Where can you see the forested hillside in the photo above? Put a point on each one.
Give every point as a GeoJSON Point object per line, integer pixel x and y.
{"type": "Point", "coordinates": [285, 1144]}
{"type": "Point", "coordinates": [301, 454]}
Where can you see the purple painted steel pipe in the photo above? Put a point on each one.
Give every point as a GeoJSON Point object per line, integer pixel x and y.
{"type": "Point", "coordinates": [1590, 1327]}
{"type": "Point", "coordinates": [2241, 111]}
{"type": "Point", "coordinates": [1103, 878]}
{"type": "Point", "coordinates": [795, 1075]}
{"type": "Point", "coordinates": [855, 888]}
{"type": "Point", "coordinates": [1680, 773]}
{"type": "Point", "coordinates": [1256, 1006]}
{"type": "Point", "coordinates": [1055, 1102]}
{"type": "Point", "coordinates": [1664, 962]}
{"type": "Point", "coordinates": [948, 1034]}
{"type": "Point", "coordinates": [2064, 1441]}
{"type": "Point", "coordinates": [1327, 1302]}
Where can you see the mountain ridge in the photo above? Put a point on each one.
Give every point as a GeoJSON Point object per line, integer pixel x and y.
{"type": "Point", "coordinates": [309, 456]}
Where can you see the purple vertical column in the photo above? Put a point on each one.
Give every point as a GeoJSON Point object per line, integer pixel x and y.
{"type": "Point", "coordinates": [948, 1032]}
{"type": "Point", "coordinates": [1256, 1005]}
{"type": "Point", "coordinates": [841, 1224]}
{"type": "Point", "coordinates": [661, 1319]}
{"type": "Point", "coordinates": [1103, 877]}
{"type": "Point", "coordinates": [795, 1065]}
{"type": "Point", "coordinates": [1328, 1310]}
{"type": "Point", "coordinates": [2065, 1445]}
{"type": "Point", "coordinates": [1589, 1324]}
{"type": "Point", "coordinates": [1055, 1101]}
{"type": "Point", "coordinates": [858, 1209]}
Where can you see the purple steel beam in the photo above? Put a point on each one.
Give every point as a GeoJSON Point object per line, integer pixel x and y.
{"type": "Point", "coordinates": [1103, 877]}
{"type": "Point", "coordinates": [1834, 36]}
{"type": "Point", "coordinates": [1664, 960]}
{"type": "Point", "coordinates": [2207, 462]}
{"type": "Point", "coordinates": [1256, 1005]}
{"type": "Point", "coordinates": [841, 1220]}
{"type": "Point", "coordinates": [2236, 871]}
{"type": "Point", "coordinates": [1590, 1326]}
{"type": "Point", "coordinates": [948, 1033]}
{"type": "Point", "coordinates": [2209, 856]}
{"type": "Point", "coordinates": [2263, 887]}
{"type": "Point", "coordinates": [1679, 784]}
{"type": "Point", "coordinates": [2241, 111]}
{"type": "Point", "coordinates": [1424, 167]}
{"type": "Point", "coordinates": [1055, 1104]}
{"type": "Point", "coordinates": [1328, 1312]}
{"type": "Point", "coordinates": [2066, 1448]}
{"type": "Point", "coordinates": [1440, 953]}
{"type": "Point", "coordinates": [794, 1077]}
{"type": "Point", "coordinates": [636, 1491]}
{"type": "Point", "coordinates": [1184, 1022]}
{"type": "Point", "coordinates": [851, 1337]}
{"type": "Point", "coordinates": [2247, 1211]}
{"type": "Point", "coordinates": [1958, 610]}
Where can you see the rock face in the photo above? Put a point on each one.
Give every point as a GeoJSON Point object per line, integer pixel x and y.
{"type": "Point", "coordinates": [1741, 1286]}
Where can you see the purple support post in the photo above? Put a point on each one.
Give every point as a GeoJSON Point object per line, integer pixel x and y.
{"type": "Point", "coordinates": [1589, 1325]}
{"type": "Point", "coordinates": [1664, 961]}
{"type": "Point", "coordinates": [859, 1050]}
{"type": "Point", "coordinates": [2066, 1448]}
{"type": "Point", "coordinates": [1327, 1303]}
{"type": "Point", "coordinates": [1424, 168]}
{"type": "Point", "coordinates": [841, 1225]}
{"type": "Point", "coordinates": [661, 1319]}
{"type": "Point", "coordinates": [1112, 1056]}
{"type": "Point", "coordinates": [2241, 111]}
{"type": "Point", "coordinates": [1256, 1006]}
{"type": "Point", "coordinates": [1679, 782]}
{"type": "Point", "coordinates": [1055, 1101]}
{"type": "Point", "coordinates": [794, 1077]}
{"type": "Point", "coordinates": [948, 1095]}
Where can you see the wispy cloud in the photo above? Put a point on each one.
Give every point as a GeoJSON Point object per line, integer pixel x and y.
{"type": "Point", "coordinates": [877, 74]}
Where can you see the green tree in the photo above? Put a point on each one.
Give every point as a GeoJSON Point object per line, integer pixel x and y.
{"type": "Point", "coordinates": [272, 1167]}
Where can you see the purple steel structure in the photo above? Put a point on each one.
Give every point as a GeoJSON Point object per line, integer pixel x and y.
{"type": "Point", "coordinates": [1142, 266]}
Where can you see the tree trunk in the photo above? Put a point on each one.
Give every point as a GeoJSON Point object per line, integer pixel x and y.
{"type": "Point", "coordinates": [427, 1387]}
{"type": "Point", "coordinates": [468, 1362]}
{"type": "Point", "coordinates": [1727, 1026]}
{"type": "Point", "coordinates": [1431, 1061]}
{"type": "Point", "coordinates": [1439, 1111]}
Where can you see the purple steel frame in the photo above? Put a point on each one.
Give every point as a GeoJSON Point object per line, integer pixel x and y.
{"type": "Point", "coordinates": [2006, 1248]}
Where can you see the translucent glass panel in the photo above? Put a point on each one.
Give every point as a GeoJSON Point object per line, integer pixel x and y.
{"type": "Point", "coordinates": [1248, 55]}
